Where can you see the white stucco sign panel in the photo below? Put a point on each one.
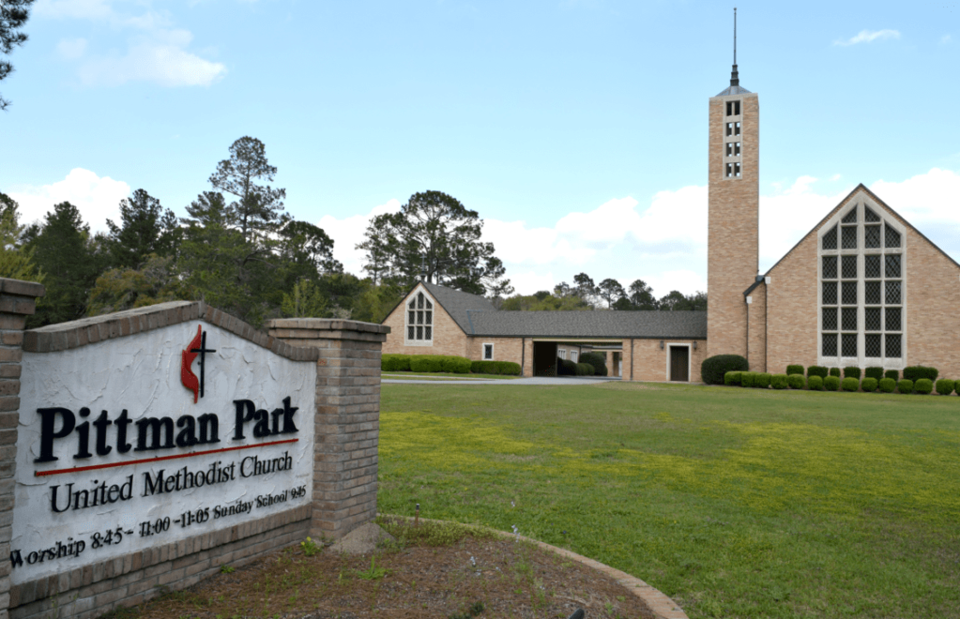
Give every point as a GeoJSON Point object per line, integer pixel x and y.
{"type": "Point", "coordinates": [155, 437]}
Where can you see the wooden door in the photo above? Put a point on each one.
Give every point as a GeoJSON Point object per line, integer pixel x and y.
{"type": "Point", "coordinates": [679, 363]}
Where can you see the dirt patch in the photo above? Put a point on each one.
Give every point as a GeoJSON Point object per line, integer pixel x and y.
{"type": "Point", "coordinates": [435, 570]}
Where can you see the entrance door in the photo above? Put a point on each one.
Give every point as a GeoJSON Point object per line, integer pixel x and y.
{"type": "Point", "coordinates": [679, 362]}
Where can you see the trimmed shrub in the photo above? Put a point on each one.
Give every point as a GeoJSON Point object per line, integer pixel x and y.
{"type": "Point", "coordinates": [916, 372]}
{"type": "Point", "coordinates": [747, 379]}
{"type": "Point", "coordinates": [794, 369]}
{"type": "Point", "coordinates": [869, 384]}
{"type": "Point", "coordinates": [778, 381]}
{"type": "Point", "coordinates": [945, 386]}
{"type": "Point", "coordinates": [597, 360]}
{"type": "Point", "coordinates": [395, 363]}
{"type": "Point", "coordinates": [455, 365]}
{"type": "Point", "coordinates": [851, 372]}
{"type": "Point", "coordinates": [795, 381]}
{"type": "Point", "coordinates": [713, 369]}
{"type": "Point", "coordinates": [835, 372]}
{"type": "Point", "coordinates": [584, 369]}
{"type": "Point", "coordinates": [508, 368]}
{"type": "Point", "coordinates": [887, 385]}
{"type": "Point", "coordinates": [732, 378]}
{"type": "Point", "coordinates": [905, 385]}
{"type": "Point", "coordinates": [817, 370]}
{"type": "Point", "coordinates": [762, 381]}
{"type": "Point", "coordinates": [924, 386]}
{"type": "Point", "coordinates": [815, 383]}
{"type": "Point", "coordinates": [566, 367]}
{"type": "Point", "coordinates": [874, 372]}
{"type": "Point", "coordinates": [831, 383]}
{"type": "Point", "coordinates": [425, 363]}
{"type": "Point", "coordinates": [850, 384]}
{"type": "Point", "coordinates": [892, 374]}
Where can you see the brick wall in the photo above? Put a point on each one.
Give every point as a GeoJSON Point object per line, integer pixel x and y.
{"type": "Point", "coordinates": [448, 337]}
{"type": "Point", "coordinates": [17, 301]}
{"type": "Point", "coordinates": [650, 363]}
{"type": "Point", "coordinates": [504, 349]}
{"type": "Point", "coordinates": [348, 417]}
{"type": "Point", "coordinates": [757, 327]}
{"type": "Point", "coordinates": [733, 227]}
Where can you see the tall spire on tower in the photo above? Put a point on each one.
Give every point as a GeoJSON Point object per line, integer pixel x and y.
{"type": "Point", "coordinates": [734, 76]}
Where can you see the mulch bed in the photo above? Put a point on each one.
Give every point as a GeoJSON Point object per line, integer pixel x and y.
{"type": "Point", "coordinates": [474, 576]}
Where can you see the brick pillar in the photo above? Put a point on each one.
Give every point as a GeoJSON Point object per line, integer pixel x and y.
{"type": "Point", "coordinates": [347, 421]}
{"type": "Point", "coordinates": [18, 300]}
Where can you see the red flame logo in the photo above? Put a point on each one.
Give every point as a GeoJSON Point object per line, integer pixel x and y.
{"type": "Point", "coordinates": [187, 377]}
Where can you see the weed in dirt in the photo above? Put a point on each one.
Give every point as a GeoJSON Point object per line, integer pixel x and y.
{"type": "Point", "coordinates": [473, 611]}
{"type": "Point", "coordinates": [227, 569]}
{"type": "Point", "coordinates": [310, 547]}
{"type": "Point", "coordinates": [374, 573]}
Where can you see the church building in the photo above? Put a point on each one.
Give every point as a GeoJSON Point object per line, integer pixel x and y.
{"type": "Point", "coordinates": [862, 288]}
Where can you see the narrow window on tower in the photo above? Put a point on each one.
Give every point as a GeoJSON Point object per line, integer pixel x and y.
{"type": "Point", "coordinates": [733, 108]}
{"type": "Point", "coordinates": [736, 169]}
{"type": "Point", "coordinates": [729, 170]}
{"type": "Point", "coordinates": [729, 149]}
{"type": "Point", "coordinates": [736, 128]}
{"type": "Point", "coordinates": [736, 149]}
{"type": "Point", "coordinates": [729, 129]}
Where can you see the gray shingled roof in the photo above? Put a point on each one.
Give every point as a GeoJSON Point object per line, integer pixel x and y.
{"type": "Point", "coordinates": [644, 324]}
{"type": "Point", "coordinates": [477, 316]}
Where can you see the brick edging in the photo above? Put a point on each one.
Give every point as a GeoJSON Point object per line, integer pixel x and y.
{"type": "Point", "coordinates": [84, 576]}
{"type": "Point", "coordinates": [77, 333]}
{"type": "Point", "coordinates": [661, 605]}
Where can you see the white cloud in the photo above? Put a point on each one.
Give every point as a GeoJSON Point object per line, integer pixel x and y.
{"type": "Point", "coordinates": [868, 36]}
{"type": "Point", "coordinates": [97, 198]}
{"type": "Point", "coordinates": [161, 58]}
{"type": "Point", "coordinates": [71, 49]}
{"type": "Point", "coordinates": [156, 53]}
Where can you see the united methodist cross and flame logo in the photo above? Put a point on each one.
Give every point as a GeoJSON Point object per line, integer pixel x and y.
{"type": "Point", "coordinates": [196, 347]}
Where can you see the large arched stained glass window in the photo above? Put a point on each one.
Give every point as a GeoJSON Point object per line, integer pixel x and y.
{"type": "Point", "coordinates": [862, 286]}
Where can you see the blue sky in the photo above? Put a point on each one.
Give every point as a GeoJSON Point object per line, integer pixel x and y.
{"type": "Point", "coordinates": [576, 128]}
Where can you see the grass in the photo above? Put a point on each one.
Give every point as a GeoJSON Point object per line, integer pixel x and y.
{"type": "Point", "coordinates": [735, 502]}
{"type": "Point", "coordinates": [443, 376]}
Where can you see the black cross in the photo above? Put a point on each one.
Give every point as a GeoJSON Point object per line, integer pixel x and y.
{"type": "Point", "coordinates": [203, 350]}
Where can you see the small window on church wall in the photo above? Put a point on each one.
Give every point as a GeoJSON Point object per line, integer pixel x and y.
{"type": "Point", "coordinates": [830, 239]}
{"type": "Point", "coordinates": [892, 348]}
{"type": "Point", "coordinates": [829, 319]}
{"type": "Point", "coordinates": [848, 235]}
{"type": "Point", "coordinates": [736, 169]}
{"type": "Point", "coordinates": [488, 352]}
{"type": "Point", "coordinates": [829, 267]}
{"type": "Point", "coordinates": [892, 237]}
{"type": "Point", "coordinates": [829, 345]}
{"type": "Point", "coordinates": [849, 267]}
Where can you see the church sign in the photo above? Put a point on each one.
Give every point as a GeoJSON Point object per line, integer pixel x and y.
{"type": "Point", "coordinates": [136, 441]}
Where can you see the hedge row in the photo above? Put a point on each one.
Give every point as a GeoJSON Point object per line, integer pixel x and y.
{"type": "Point", "coordinates": [913, 373]}
{"type": "Point", "coordinates": [816, 382]}
{"type": "Point", "coordinates": [445, 363]}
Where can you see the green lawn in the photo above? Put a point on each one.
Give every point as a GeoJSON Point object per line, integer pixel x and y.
{"type": "Point", "coordinates": [443, 376]}
{"type": "Point", "coordinates": [735, 502]}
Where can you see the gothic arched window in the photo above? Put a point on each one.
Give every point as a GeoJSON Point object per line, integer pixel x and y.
{"type": "Point", "coordinates": [862, 296]}
{"type": "Point", "coordinates": [420, 320]}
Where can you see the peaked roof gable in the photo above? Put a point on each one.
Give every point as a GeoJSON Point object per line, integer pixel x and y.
{"type": "Point", "coordinates": [456, 303]}
{"type": "Point", "coordinates": [860, 188]}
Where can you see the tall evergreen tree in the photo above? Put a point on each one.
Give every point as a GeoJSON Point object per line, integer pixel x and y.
{"type": "Point", "coordinates": [16, 261]}
{"type": "Point", "coordinates": [70, 260]}
{"type": "Point", "coordinates": [258, 206]}
{"type": "Point", "coordinates": [13, 14]}
{"type": "Point", "coordinates": [145, 228]}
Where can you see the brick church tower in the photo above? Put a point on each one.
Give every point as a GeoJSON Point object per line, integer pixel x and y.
{"type": "Point", "coordinates": [734, 212]}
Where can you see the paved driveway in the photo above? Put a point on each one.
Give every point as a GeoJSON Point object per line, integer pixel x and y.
{"type": "Point", "coordinates": [535, 380]}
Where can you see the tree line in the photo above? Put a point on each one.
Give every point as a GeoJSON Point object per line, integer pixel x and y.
{"type": "Point", "coordinates": [237, 250]}
{"type": "Point", "coordinates": [584, 294]}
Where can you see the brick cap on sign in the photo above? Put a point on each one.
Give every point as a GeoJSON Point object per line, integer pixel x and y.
{"type": "Point", "coordinates": [77, 333]}
{"type": "Point", "coordinates": [327, 328]}
{"type": "Point", "coordinates": [21, 288]}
